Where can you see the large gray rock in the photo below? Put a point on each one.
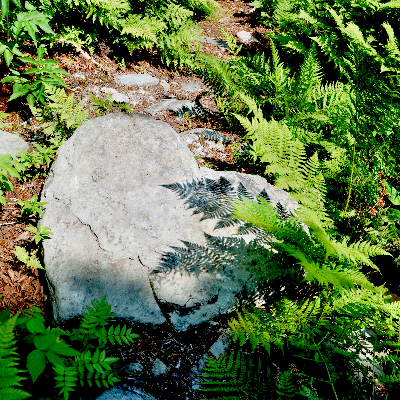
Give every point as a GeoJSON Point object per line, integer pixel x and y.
{"type": "Point", "coordinates": [118, 196]}
{"type": "Point", "coordinates": [9, 143]}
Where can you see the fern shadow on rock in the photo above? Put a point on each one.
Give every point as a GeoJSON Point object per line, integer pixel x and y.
{"type": "Point", "coordinates": [233, 256]}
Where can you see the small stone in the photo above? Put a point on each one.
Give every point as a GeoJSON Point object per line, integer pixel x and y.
{"type": "Point", "coordinates": [134, 368]}
{"type": "Point", "coordinates": [94, 89]}
{"type": "Point", "coordinates": [79, 76]}
{"type": "Point", "coordinates": [220, 346]}
{"type": "Point", "coordinates": [246, 37]}
{"type": "Point", "coordinates": [137, 79]}
{"type": "Point", "coordinates": [191, 87]}
{"type": "Point", "coordinates": [10, 143]}
{"type": "Point", "coordinates": [159, 368]}
{"type": "Point", "coordinates": [116, 96]}
{"type": "Point", "coordinates": [165, 85]}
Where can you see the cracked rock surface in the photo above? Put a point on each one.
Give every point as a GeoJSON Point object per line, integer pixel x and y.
{"type": "Point", "coordinates": [114, 221]}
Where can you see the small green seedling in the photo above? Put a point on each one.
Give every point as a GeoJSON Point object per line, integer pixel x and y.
{"type": "Point", "coordinates": [32, 206]}
{"type": "Point", "coordinates": [23, 255]}
{"type": "Point", "coordinates": [3, 115]}
{"type": "Point", "coordinates": [120, 62]}
{"type": "Point", "coordinates": [41, 233]}
{"type": "Point", "coordinates": [189, 119]}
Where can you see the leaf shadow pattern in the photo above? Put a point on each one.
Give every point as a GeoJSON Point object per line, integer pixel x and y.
{"type": "Point", "coordinates": [231, 256]}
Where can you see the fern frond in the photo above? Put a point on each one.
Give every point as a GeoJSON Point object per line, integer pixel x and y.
{"type": "Point", "coordinates": [344, 278]}
{"type": "Point", "coordinates": [359, 252]}
{"type": "Point", "coordinates": [207, 7]}
{"type": "Point", "coordinates": [310, 77]}
{"type": "Point", "coordinates": [286, 387]}
{"type": "Point", "coordinates": [9, 378]}
{"type": "Point", "coordinates": [217, 74]}
{"type": "Point", "coordinates": [251, 327]}
{"type": "Point", "coordinates": [237, 375]}
{"type": "Point", "coordinates": [96, 368]}
{"type": "Point", "coordinates": [337, 160]}
{"type": "Point", "coordinates": [146, 28]}
{"type": "Point", "coordinates": [69, 114]}
{"type": "Point", "coordinates": [107, 12]}
{"type": "Point", "coordinates": [358, 300]}
{"type": "Point", "coordinates": [392, 44]}
{"type": "Point", "coordinates": [23, 255]}
{"type": "Point", "coordinates": [117, 334]}
{"type": "Point", "coordinates": [176, 14]}
{"type": "Point", "coordinates": [93, 319]}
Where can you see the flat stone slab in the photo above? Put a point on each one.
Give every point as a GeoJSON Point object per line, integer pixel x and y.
{"type": "Point", "coordinates": [209, 134]}
{"type": "Point", "coordinates": [218, 42]}
{"type": "Point", "coordinates": [137, 79]}
{"type": "Point", "coordinates": [179, 107]}
{"type": "Point", "coordinates": [9, 143]}
{"type": "Point", "coordinates": [191, 87]}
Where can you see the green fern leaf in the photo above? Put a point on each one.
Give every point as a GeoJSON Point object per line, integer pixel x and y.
{"type": "Point", "coordinates": [9, 378]}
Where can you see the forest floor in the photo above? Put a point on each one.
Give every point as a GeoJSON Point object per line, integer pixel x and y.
{"type": "Point", "coordinates": [23, 287]}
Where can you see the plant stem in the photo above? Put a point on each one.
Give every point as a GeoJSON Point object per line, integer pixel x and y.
{"type": "Point", "coordinates": [327, 370]}
{"type": "Point", "coordinates": [351, 177]}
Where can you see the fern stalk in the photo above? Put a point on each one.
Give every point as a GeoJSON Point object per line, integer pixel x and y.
{"type": "Point", "coordinates": [327, 370]}
{"type": "Point", "coordinates": [351, 177]}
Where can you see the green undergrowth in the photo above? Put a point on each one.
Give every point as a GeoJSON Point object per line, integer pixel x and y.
{"type": "Point", "coordinates": [49, 362]}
